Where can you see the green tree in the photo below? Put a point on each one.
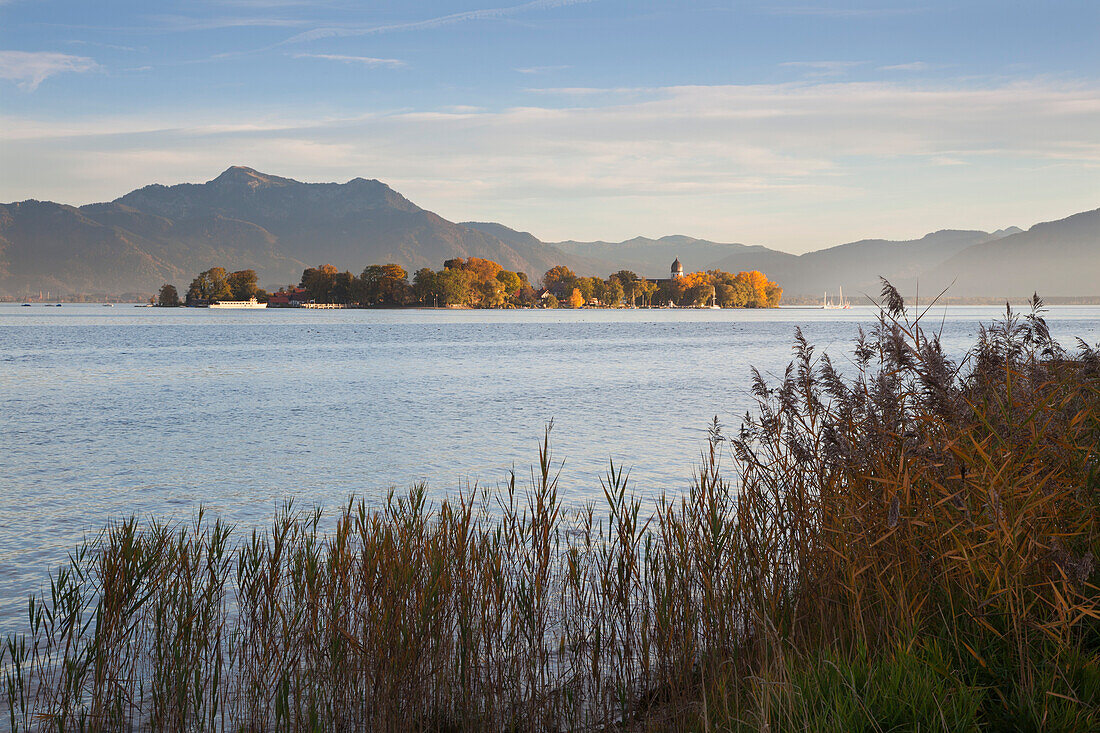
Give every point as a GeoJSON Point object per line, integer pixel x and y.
{"type": "Point", "coordinates": [425, 286]}
{"type": "Point", "coordinates": [490, 293]}
{"type": "Point", "coordinates": [589, 287]}
{"type": "Point", "coordinates": [510, 281]}
{"type": "Point", "coordinates": [319, 282]}
{"type": "Point", "coordinates": [168, 296]}
{"type": "Point", "coordinates": [629, 283]}
{"type": "Point", "coordinates": [611, 292]}
{"type": "Point", "coordinates": [454, 286]}
{"type": "Point", "coordinates": [209, 285]}
{"type": "Point", "coordinates": [724, 293]}
{"type": "Point", "coordinates": [345, 288]}
{"type": "Point", "coordinates": [243, 284]}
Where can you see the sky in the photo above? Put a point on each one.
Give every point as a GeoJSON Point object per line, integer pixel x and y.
{"type": "Point", "coordinates": [796, 124]}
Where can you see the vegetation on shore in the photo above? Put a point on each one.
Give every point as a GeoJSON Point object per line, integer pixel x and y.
{"type": "Point", "coordinates": [480, 283]}
{"type": "Point", "coordinates": [902, 543]}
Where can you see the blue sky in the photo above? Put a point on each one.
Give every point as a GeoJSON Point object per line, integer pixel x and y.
{"type": "Point", "coordinates": [796, 124]}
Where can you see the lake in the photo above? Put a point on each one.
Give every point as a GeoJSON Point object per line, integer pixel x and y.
{"type": "Point", "coordinates": [109, 412]}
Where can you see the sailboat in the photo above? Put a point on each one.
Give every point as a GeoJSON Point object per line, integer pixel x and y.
{"type": "Point", "coordinates": [840, 304]}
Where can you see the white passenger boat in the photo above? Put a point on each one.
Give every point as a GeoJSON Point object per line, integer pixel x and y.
{"type": "Point", "coordinates": [250, 303]}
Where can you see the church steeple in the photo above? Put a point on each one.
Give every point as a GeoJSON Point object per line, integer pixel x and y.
{"type": "Point", "coordinates": [677, 269]}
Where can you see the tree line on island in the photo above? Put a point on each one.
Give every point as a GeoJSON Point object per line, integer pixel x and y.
{"type": "Point", "coordinates": [475, 282]}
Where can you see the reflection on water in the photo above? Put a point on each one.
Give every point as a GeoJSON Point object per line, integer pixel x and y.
{"type": "Point", "coordinates": [109, 412]}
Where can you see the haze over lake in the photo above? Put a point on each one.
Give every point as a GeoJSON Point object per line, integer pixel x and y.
{"type": "Point", "coordinates": [117, 411]}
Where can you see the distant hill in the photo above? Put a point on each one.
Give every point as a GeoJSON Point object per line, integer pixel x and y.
{"type": "Point", "coordinates": [1057, 258]}
{"type": "Point", "coordinates": [652, 257]}
{"type": "Point", "coordinates": [242, 218]}
{"type": "Point", "coordinates": [279, 226]}
{"type": "Point", "coordinates": [857, 266]}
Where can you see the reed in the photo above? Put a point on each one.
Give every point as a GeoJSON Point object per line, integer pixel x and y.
{"type": "Point", "coordinates": [904, 543]}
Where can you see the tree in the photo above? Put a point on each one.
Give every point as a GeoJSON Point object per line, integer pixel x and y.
{"type": "Point", "coordinates": [525, 296]}
{"type": "Point", "coordinates": [243, 284]}
{"type": "Point", "coordinates": [589, 287]}
{"type": "Point", "coordinates": [559, 279]}
{"type": "Point", "coordinates": [319, 282]}
{"type": "Point", "coordinates": [209, 285]}
{"type": "Point", "coordinates": [168, 296]}
{"type": "Point", "coordinates": [629, 283]}
{"type": "Point", "coordinates": [490, 293]}
{"type": "Point", "coordinates": [483, 270]}
{"type": "Point", "coordinates": [724, 294]}
{"type": "Point", "coordinates": [454, 286]}
{"type": "Point", "coordinates": [425, 286]}
{"type": "Point", "coordinates": [611, 292]}
{"type": "Point", "coordinates": [576, 300]}
{"type": "Point", "coordinates": [550, 301]}
{"type": "Point", "coordinates": [384, 285]}
{"type": "Point", "coordinates": [345, 288]}
{"type": "Point", "coordinates": [510, 280]}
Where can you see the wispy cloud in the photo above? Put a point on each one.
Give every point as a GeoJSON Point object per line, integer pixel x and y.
{"type": "Point", "coordinates": [111, 46]}
{"type": "Point", "coordinates": [723, 162]}
{"type": "Point", "coordinates": [361, 60]}
{"type": "Point", "coordinates": [845, 12]}
{"type": "Point", "coordinates": [823, 69]}
{"type": "Point", "coordinates": [543, 69]}
{"type": "Point", "coordinates": [28, 69]}
{"type": "Point", "coordinates": [189, 23]}
{"type": "Point", "coordinates": [436, 22]}
{"type": "Point", "coordinates": [912, 66]}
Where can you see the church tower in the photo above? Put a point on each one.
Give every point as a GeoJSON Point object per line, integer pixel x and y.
{"type": "Point", "coordinates": [677, 269]}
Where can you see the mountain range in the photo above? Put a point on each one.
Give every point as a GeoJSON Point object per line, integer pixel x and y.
{"type": "Point", "coordinates": [279, 226]}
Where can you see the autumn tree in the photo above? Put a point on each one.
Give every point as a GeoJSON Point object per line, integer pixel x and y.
{"type": "Point", "coordinates": [774, 294]}
{"type": "Point", "coordinates": [319, 282]}
{"type": "Point", "coordinates": [483, 270]}
{"type": "Point", "coordinates": [576, 300]}
{"type": "Point", "coordinates": [559, 279]}
{"type": "Point", "coordinates": [168, 296]}
{"type": "Point", "coordinates": [384, 285]}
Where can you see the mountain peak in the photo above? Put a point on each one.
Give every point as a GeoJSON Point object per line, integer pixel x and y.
{"type": "Point", "coordinates": [240, 175]}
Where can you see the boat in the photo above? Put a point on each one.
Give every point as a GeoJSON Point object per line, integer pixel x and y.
{"type": "Point", "coordinates": [26, 305]}
{"type": "Point", "coordinates": [840, 304]}
{"type": "Point", "coordinates": [250, 303]}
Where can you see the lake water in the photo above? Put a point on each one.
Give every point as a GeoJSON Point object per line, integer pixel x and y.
{"type": "Point", "coordinates": [108, 412]}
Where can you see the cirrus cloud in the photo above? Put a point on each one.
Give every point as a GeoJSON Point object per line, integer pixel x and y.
{"type": "Point", "coordinates": [361, 60]}
{"type": "Point", "coordinates": [28, 69]}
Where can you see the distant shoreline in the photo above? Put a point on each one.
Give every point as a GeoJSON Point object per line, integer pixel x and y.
{"type": "Point", "coordinates": [789, 303]}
